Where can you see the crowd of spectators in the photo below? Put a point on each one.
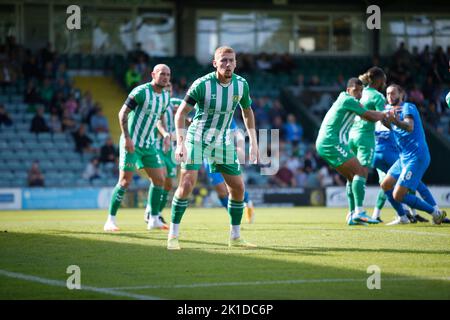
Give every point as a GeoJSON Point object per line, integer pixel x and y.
{"type": "Point", "coordinates": [424, 74]}
{"type": "Point", "coordinates": [57, 105]}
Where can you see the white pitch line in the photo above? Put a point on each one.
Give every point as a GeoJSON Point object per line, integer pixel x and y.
{"type": "Point", "coordinates": [59, 283]}
{"type": "Point", "coordinates": [262, 283]}
{"type": "Point", "coordinates": [422, 233]}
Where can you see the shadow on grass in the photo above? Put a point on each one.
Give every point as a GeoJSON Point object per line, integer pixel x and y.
{"type": "Point", "coordinates": [106, 264]}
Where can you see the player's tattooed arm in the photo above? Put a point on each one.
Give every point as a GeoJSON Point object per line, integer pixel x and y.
{"type": "Point", "coordinates": [123, 121]}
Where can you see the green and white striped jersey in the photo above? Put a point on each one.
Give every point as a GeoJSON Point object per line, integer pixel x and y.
{"type": "Point", "coordinates": [338, 120]}
{"type": "Point", "coordinates": [214, 107]}
{"type": "Point", "coordinates": [142, 119]}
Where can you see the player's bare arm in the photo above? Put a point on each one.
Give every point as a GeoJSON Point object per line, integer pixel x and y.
{"type": "Point", "coordinates": [180, 129]}
{"type": "Point", "coordinates": [249, 121]}
{"type": "Point", "coordinates": [373, 116]}
{"type": "Point", "coordinates": [161, 125]}
{"type": "Point", "coordinates": [123, 121]}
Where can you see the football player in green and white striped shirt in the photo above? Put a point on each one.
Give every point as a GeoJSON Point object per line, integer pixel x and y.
{"type": "Point", "coordinates": [139, 117]}
{"type": "Point", "coordinates": [214, 96]}
{"type": "Point", "coordinates": [166, 151]}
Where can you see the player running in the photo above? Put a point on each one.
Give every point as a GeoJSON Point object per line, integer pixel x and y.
{"type": "Point", "coordinates": [332, 145]}
{"type": "Point", "coordinates": [165, 128]}
{"type": "Point", "coordinates": [138, 118]}
{"type": "Point", "coordinates": [362, 133]}
{"type": "Point", "coordinates": [405, 175]}
{"type": "Point", "coordinates": [215, 96]}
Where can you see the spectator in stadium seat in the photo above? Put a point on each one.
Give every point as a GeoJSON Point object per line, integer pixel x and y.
{"type": "Point", "coordinates": [284, 177]}
{"type": "Point", "coordinates": [47, 53]}
{"type": "Point", "coordinates": [132, 77]}
{"type": "Point", "coordinates": [300, 81]}
{"type": "Point", "coordinates": [293, 131]}
{"type": "Point", "coordinates": [71, 104]}
{"type": "Point", "coordinates": [5, 119]}
{"type": "Point", "coordinates": [63, 86]}
{"type": "Point", "coordinates": [61, 73]}
{"type": "Point", "coordinates": [46, 92]}
{"type": "Point", "coordinates": [68, 122]}
{"type": "Point", "coordinates": [35, 176]}
{"type": "Point", "coordinates": [301, 178]}
{"type": "Point", "coordinates": [48, 71]}
{"type": "Point", "coordinates": [415, 95]}
{"type": "Point", "coordinates": [261, 116]}
{"type": "Point", "coordinates": [31, 94]}
{"type": "Point", "coordinates": [99, 123]}
{"type": "Point", "coordinates": [325, 177]}
{"type": "Point", "coordinates": [57, 104]}
{"type": "Point", "coordinates": [8, 74]}
{"type": "Point", "coordinates": [108, 152]}
{"type": "Point", "coordinates": [263, 62]}
{"type": "Point", "coordinates": [340, 82]}
{"type": "Point", "coordinates": [86, 108]}
{"type": "Point", "coordinates": [276, 110]}
{"type": "Point", "coordinates": [55, 124]}
{"type": "Point", "coordinates": [30, 68]}
{"type": "Point", "coordinates": [38, 123]}
{"type": "Point", "coordinates": [92, 170]}
{"type": "Point", "coordinates": [83, 144]}
{"type": "Point", "coordinates": [137, 52]}
{"type": "Point", "coordinates": [309, 163]}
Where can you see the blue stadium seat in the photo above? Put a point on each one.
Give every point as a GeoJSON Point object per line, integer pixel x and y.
{"type": "Point", "coordinates": [59, 136]}
{"type": "Point", "coordinates": [82, 183]}
{"type": "Point", "coordinates": [45, 136]}
{"type": "Point", "coordinates": [46, 166]}
{"type": "Point", "coordinates": [16, 166]}
{"type": "Point", "coordinates": [48, 145]}
{"type": "Point", "coordinates": [8, 154]}
{"type": "Point", "coordinates": [38, 154]}
{"type": "Point", "coordinates": [27, 137]}
{"type": "Point", "coordinates": [8, 135]}
{"type": "Point", "coordinates": [32, 145]}
{"type": "Point", "coordinates": [21, 175]}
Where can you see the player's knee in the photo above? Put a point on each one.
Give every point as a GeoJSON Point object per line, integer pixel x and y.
{"type": "Point", "coordinates": [238, 189]}
{"type": "Point", "coordinates": [398, 195]}
{"type": "Point", "coordinates": [158, 180]}
{"type": "Point", "coordinates": [186, 185]}
{"type": "Point", "coordinates": [386, 185]}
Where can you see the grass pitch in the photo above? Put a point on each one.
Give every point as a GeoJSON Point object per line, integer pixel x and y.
{"type": "Point", "coordinates": [303, 253]}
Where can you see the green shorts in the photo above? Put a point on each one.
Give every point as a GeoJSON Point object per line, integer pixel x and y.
{"type": "Point", "coordinates": [221, 158]}
{"type": "Point", "coordinates": [140, 158]}
{"type": "Point", "coordinates": [334, 153]}
{"type": "Point", "coordinates": [363, 147]}
{"type": "Point", "coordinates": [168, 159]}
